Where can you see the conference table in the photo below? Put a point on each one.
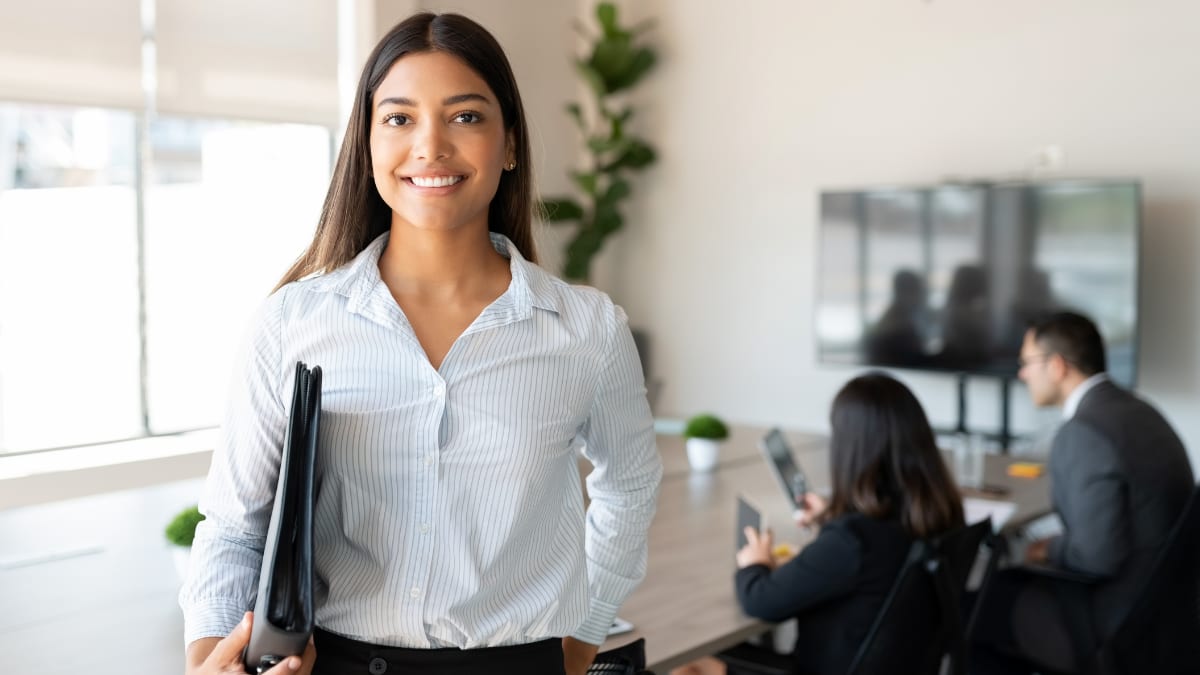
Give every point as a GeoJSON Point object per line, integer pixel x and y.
{"type": "Point", "coordinates": [686, 607]}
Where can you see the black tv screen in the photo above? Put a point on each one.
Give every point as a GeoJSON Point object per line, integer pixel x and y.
{"type": "Point", "coordinates": [947, 277]}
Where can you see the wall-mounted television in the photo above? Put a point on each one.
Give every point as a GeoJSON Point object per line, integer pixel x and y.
{"type": "Point", "coordinates": [947, 277]}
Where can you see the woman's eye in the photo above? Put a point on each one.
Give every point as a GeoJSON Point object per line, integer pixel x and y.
{"type": "Point", "coordinates": [467, 117]}
{"type": "Point", "coordinates": [396, 119]}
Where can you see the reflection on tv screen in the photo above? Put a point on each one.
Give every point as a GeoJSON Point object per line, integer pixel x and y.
{"type": "Point", "coordinates": [948, 277]}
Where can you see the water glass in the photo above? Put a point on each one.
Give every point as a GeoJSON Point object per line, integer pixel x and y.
{"type": "Point", "coordinates": [968, 460]}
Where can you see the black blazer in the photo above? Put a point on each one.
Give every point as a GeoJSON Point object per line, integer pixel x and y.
{"type": "Point", "coordinates": [1120, 478]}
{"type": "Point", "coordinates": [835, 588]}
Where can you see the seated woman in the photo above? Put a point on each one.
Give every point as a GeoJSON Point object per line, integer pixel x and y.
{"type": "Point", "coordinates": [890, 487]}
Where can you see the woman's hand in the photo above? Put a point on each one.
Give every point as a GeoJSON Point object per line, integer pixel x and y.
{"type": "Point", "coordinates": [211, 656]}
{"type": "Point", "coordinates": [578, 656]}
{"type": "Point", "coordinates": [757, 550]}
{"type": "Point", "coordinates": [812, 505]}
{"type": "Point", "coordinates": [1038, 551]}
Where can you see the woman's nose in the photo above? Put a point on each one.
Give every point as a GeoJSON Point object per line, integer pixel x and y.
{"type": "Point", "coordinates": [431, 141]}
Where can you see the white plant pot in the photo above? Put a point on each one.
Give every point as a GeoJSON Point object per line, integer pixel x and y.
{"type": "Point", "coordinates": [181, 555]}
{"type": "Point", "coordinates": [702, 453]}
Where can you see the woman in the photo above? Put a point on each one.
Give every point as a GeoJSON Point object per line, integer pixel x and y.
{"type": "Point", "coordinates": [460, 381]}
{"type": "Point", "coordinates": [890, 487]}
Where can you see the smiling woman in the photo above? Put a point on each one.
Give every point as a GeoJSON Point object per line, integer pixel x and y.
{"type": "Point", "coordinates": [461, 381]}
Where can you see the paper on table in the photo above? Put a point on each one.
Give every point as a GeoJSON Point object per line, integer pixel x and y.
{"type": "Point", "coordinates": [975, 510]}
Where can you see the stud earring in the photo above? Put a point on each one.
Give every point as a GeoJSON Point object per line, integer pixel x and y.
{"type": "Point", "coordinates": [510, 166]}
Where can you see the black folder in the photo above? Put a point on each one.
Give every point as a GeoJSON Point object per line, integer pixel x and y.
{"type": "Point", "coordinates": [283, 611]}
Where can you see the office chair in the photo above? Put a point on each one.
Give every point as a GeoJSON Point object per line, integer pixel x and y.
{"type": "Point", "coordinates": [1160, 633]}
{"type": "Point", "coordinates": [920, 622]}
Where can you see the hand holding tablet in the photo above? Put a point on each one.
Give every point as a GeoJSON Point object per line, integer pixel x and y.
{"type": "Point", "coordinates": [747, 516]}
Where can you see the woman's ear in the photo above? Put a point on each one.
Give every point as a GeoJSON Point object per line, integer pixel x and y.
{"type": "Point", "coordinates": [510, 150]}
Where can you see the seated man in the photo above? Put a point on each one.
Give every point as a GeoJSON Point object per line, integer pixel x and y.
{"type": "Point", "coordinates": [1121, 478]}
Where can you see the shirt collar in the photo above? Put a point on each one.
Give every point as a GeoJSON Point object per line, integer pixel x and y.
{"type": "Point", "coordinates": [1071, 405]}
{"type": "Point", "coordinates": [531, 286]}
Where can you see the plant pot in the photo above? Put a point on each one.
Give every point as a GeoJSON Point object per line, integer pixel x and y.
{"type": "Point", "coordinates": [181, 556]}
{"type": "Point", "coordinates": [702, 453]}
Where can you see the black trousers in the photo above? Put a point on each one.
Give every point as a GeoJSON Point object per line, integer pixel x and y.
{"type": "Point", "coordinates": [337, 655]}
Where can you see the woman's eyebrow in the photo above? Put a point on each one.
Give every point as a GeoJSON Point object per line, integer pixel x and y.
{"type": "Point", "coordinates": [452, 100]}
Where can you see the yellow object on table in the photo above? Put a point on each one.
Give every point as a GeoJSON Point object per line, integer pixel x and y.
{"type": "Point", "coordinates": [1026, 469]}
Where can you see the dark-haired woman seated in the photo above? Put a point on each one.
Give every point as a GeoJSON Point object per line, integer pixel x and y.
{"type": "Point", "coordinates": [890, 487]}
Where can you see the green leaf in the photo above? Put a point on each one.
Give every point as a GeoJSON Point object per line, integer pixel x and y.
{"type": "Point", "coordinates": [632, 69]}
{"type": "Point", "coordinates": [611, 58]}
{"type": "Point", "coordinates": [590, 75]}
{"type": "Point", "coordinates": [617, 190]}
{"type": "Point", "coordinates": [561, 210]}
{"type": "Point", "coordinates": [576, 113]}
{"type": "Point", "coordinates": [606, 13]}
{"type": "Point", "coordinates": [580, 251]}
{"type": "Point", "coordinates": [617, 129]}
{"type": "Point", "coordinates": [636, 155]}
{"type": "Point", "coordinates": [599, 144]}
{"type": "Point", "coordinates": [608, 220]}
{"type": "Point", "coordinates": [586, 181]}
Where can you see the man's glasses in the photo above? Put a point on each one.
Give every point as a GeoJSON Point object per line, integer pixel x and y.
{"type": "Point", "coordinates": [1032, 358]}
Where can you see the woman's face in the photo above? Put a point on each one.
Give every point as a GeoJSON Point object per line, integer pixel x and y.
{"type": "Point", "coordinates": [438, 144]}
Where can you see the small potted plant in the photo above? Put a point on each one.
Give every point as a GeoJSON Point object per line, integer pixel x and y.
{"type": "Point", "coordinates": [704, 434]}
{"type": "Point", "coordinates": [180, 533]}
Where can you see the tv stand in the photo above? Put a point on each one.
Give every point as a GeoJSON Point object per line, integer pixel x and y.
{"type": "Point", "coordinates": [1004, 435]}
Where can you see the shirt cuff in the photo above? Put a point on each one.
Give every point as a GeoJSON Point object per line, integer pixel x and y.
{"type": "Point", "coordinates": [216, 619]}
{"type": "Point", "coordinates": [600, 618]}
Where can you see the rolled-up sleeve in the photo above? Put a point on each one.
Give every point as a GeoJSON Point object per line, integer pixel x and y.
{"type": "Point", "coordinates": [623, 485]}
{"type": "Point", "coordinates": [238, 496]}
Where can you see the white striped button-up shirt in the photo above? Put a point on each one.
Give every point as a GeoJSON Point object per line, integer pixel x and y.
{"type": "Point", "coordinates": [450, 511]}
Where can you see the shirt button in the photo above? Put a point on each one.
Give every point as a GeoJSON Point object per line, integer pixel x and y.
{"type": "Point", "coordinates": [424, 528]}
{"type": "Point", "coordinates": [439, 389]}
{"type": "Point", "coordinates": [377, 666]}
{"type": "Point", "coordinates": [415, 592]}
{"type": "Point", "coordinates": [428, 459]}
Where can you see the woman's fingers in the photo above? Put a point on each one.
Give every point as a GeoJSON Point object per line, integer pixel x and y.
{"type": "Point", "coordinates": [229, 650]}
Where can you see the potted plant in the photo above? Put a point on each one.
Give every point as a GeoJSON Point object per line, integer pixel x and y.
{"type": "Point", "coordinates": [180, 533]}
{"type": "Point", "coordinates": [615, 63]}
{"type": "Point", "coordinates": [704, 434]}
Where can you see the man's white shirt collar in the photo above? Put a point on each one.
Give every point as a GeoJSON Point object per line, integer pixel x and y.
{"type": "Point", "coordinates": [1072, 402]}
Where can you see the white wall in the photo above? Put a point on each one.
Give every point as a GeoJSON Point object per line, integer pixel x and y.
{"type": "Point", "coordinates": [758, 105]}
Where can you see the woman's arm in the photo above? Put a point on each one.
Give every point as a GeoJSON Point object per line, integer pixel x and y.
{"type": "Point", "coordinates": [623, 485]}
{"type": "Point", "coordinates": [824, 569]}
{"type": "Point", "coordinates": [227, 552]}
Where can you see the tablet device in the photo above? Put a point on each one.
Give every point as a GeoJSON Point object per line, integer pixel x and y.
{"type": "Point", "coordinates": [619, 626]}
{"type": "Point", "coordinates": [783, 465]}
{"type": "Point", "coordinates": [747, 516]}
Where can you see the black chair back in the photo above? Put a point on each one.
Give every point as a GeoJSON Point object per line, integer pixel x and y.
{"type": "Point", "coordinates": [921, 620]}
{"type": "Point", "coordinates": [1161, 632]}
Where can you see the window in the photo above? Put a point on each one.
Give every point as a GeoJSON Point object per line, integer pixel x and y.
{"type": "Point", "coordinates": [228, 205]}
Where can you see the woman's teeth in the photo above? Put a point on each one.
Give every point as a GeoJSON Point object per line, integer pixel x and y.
{"type": "Point", "coordinates": [435, 181]}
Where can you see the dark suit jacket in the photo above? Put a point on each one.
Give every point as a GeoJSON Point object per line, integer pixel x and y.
{"type": "Point", "coordinates": [1121, 478]}
{"type": "Point", "coordinates": [835, 587]}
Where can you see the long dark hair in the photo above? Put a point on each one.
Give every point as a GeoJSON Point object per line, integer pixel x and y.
{"type": "Point", "coordinates": [354, 214]}
{"type": "Point", "coordinates": [885, 461]}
